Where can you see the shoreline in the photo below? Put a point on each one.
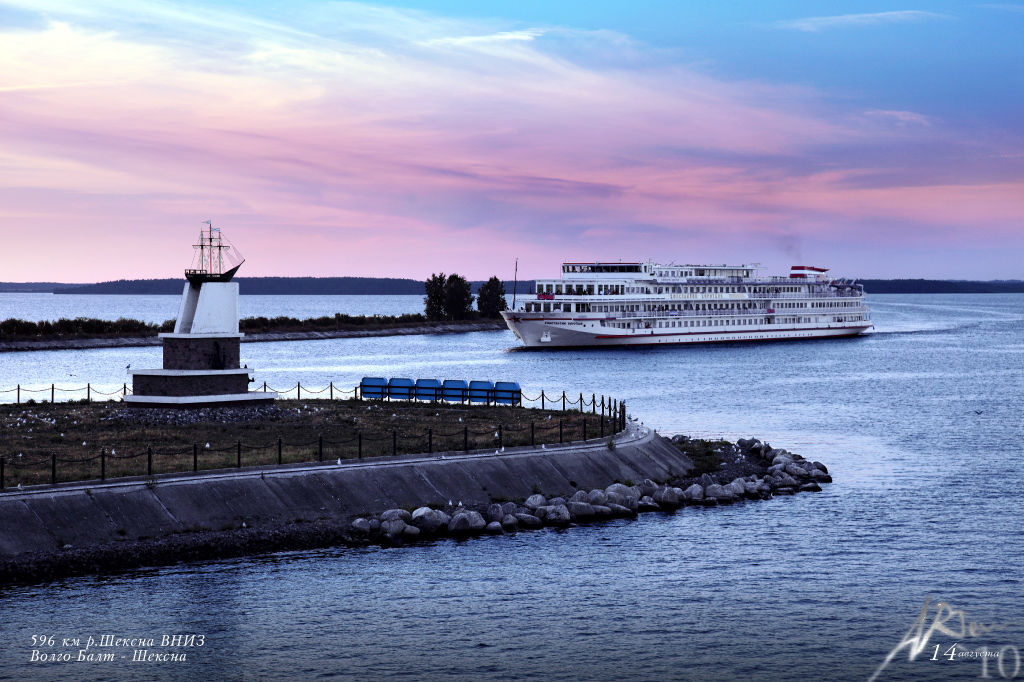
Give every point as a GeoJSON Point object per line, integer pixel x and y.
{"type": "Point", "coordinates": [19, 345]}
{"type": "Point", "coordinates": [400, 500]}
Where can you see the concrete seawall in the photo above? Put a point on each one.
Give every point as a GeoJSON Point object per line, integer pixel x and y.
{"type": "Point", "coordinates": [82, 515]}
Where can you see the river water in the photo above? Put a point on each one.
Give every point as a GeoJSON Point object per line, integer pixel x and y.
{"type": "Point", "coordinates": [919, 423]}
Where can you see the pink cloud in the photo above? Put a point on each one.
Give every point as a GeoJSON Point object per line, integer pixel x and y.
{"type": "Point", "coordinates": [426, 144]}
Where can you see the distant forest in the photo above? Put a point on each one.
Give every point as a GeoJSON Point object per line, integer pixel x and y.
{"type": "Point", "coordinates": [274, 286]}
{"type": "Point", "coordinates": [310, 286]}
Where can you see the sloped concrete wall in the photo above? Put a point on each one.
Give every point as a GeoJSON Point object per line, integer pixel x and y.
{"type": "Point", "coordinates": [85, 514]}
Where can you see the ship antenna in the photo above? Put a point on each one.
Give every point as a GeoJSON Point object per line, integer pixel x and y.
{"type": "Point", "coordinates": [515, 282]}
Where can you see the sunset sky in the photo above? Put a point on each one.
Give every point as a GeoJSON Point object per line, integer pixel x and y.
{"type": "Point", "coordinates": [400, 139]}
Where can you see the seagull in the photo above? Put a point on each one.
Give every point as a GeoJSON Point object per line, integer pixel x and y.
{"type": "Point", "coordinates": [339, 461]}
{"type": "Point", "coordinates": [977, 412]}
{"type": "Point", "coordinates": [83, 443]}
{"type": "Point", "coordinates": [128, 367]}
{"type": "Point", "coordinates": [19, 486]}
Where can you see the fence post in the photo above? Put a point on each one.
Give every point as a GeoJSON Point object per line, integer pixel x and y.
{"type": "Point", "coordinates": [239, 453]}
{"type": "Point", "coordinates": [563, 401]}
{"type": "Point", "coordinates": [559, 430]}
{"type": "Point", "coordinates": [53, 469]}
{"type": "Point", "coordinates": [359, 437]}
{"type": "Point", "coordinates": [195, 456]}
{"type": "Point", "coordinates": [622, 414]}
{"type": "Point", "coordinates": [264, 387]}
{"type": "Point", "coordinates": [465, 439]}
{"type": "Point", "coordinates": [51, 393]}
{"type": "Point", "coordinates": [394, 442]}
{"type": "Point", "coordinates": [19, 393]}
{"type": "Point", "coordinates": [321, 447]}
{"type": "Point", "coordinates": [542, 398]}
{"type": "Point", "coordinates": [331, 394]}
{"type": "Point", "coordinates": [124, 394]}
{"type": "Point", "coordinates": [279, 461]}
{"type": "Point", "coordinates": [581, 401]}
{"type": "Point", "coordinates": [298, 390]}
{"type": "Point", "coordinates": [532, 439]}
{"type": "Point", "coordinates": [88, 392]}
{"type": "Point", "coordinates": [593, 403]}
{"type": "Point", "coordinates": [356, 392]}
{"type": "Point", "coordinates": [501, 439]}
{"type": "Point", "coordinates": [430, 440]}
{"type": "Point", "coordinates": [149, 461]}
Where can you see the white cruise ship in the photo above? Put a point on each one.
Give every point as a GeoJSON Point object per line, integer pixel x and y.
{"type": "Point", "coordinates": [616, 304]}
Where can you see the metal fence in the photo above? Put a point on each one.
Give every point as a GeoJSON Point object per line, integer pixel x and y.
{"type": "Point", "coordinates": [362, 443]}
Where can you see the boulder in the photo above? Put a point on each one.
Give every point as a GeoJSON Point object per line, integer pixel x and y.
{"type": "Point", "coordinates": [819, 475]}
{"type": "Point", "coordinates": [392, 514]}
{"type": "Point", "coordinates": [540, 512]}
{"type": "Point", "coordinates": [374, 526]}
{"type": "Point", "coordinates": [509, 508]}
{"type": "Point", "coordinates": [580, 511]}
{"type": "Point", "coordinates": [796, 471]}
{"type": "Point", "coordinates": [716, 491]}
{"type": "Point", "coordinates": [581, 496]}
{"type": "Point", "coordinates": [597, 497]}
{"type": "Point", "coordinates": [614, 498]}
{"type": "Point", "coordinates": [394, 527]}
{"type": "Point", "coordinates": [820, 467]}
{"type": "Point", "coordinates": [534, 501]}
{"type": "Point", "coordinates": [494, 528]}
{"type": "Point", "coordinates": [619, 489]}
{"type": "Point", "coordinates": [459, 525]}
{"type": "Point", "coordinates": [706, 480]}
{"type": "Point", "coordinates": [736, 488]}
{"type": "Point", "coordinates": [666, 497]}
{"type": "Point", "coordinates": [494, 513]}
{"type": "Point", "coordinates": [427, 520]}
{"type": "Point", "coordinates": [646, 504]}
{"type": "Point", "coordinates": [811, 487]}
{"type": "Point", "coordinates": [410, 532]}
{"type": "Point", "coordinates": [557, 515]}
{"type": "Point", "coordinates": [619, 510]}
{"type": "Point", "coordinates": [529, 521]}
{"type": "Point", "coordinates": [783, 491]}
{"type": "Point", "coordinates": [555, 501]}
{"type": "Point", "coordinates": [694, 493]}
{"type": "Point", "coordinates": [601, 510]}
{"type": "Point", "coordinates": [709, 502]}
{"type": "Point", "coordinates": [509, 522]}
{"type": "Point", "coordinates": [361, 525]}
{"type": "Point", "coordinates": [648, 488]}
{"type": "Point", "coordinates": [476, 521]}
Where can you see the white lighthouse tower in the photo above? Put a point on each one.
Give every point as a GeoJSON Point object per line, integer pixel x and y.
{"type": "Point", "coordinates": [201, 365]}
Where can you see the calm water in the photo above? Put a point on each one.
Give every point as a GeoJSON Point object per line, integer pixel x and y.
{"type": "Point", "coordinates": [919, 423]}
{"type": "Point", "coordinates": [156, 309]}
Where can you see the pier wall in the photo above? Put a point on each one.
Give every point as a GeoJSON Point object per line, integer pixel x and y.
{"type": "Point", "coordinates": [88, 514]}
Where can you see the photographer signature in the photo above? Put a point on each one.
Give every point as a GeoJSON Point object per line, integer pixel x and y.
{"type": "Point", "coordinates": [947, 621]}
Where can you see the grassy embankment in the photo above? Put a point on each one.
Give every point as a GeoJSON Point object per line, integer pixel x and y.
{"type": "Point", "coordinates": [89, 328]}
{"type": "Point", "coordinates": [32, 434]}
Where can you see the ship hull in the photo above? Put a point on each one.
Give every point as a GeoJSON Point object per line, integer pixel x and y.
{"type": "Point", "coordinates": [577, 333]}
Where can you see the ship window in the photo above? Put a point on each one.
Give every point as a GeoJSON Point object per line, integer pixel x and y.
{"type": "Point", "coordinates": [558, 288]}
{"type": "Point", "coordinates": [547, 307]}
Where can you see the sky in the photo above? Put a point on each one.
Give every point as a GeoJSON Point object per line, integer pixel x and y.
{"type": "Point", "coordinates": [401, 139]}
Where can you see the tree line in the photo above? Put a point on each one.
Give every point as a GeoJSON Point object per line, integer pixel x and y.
{"type": "Point", "coordinates": [450, 297]}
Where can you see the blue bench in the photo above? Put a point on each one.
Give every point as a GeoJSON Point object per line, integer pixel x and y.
{"type": "Point", "coordinates": [454, 390]}
{"type": "Point", "coordinates": [481, 391]}
{"type": "Point", "coordinates": [508, 393]}
{"type": "Point", "coordinates": [428, 389]}
{"type": "Point", "coordinates": [373, 388]}
{"type": "Point", "coordinates": [400, 389]}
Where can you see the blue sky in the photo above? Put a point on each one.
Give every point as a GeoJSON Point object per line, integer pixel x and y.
{"type": "Point", "coordinates": [882, 140]}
